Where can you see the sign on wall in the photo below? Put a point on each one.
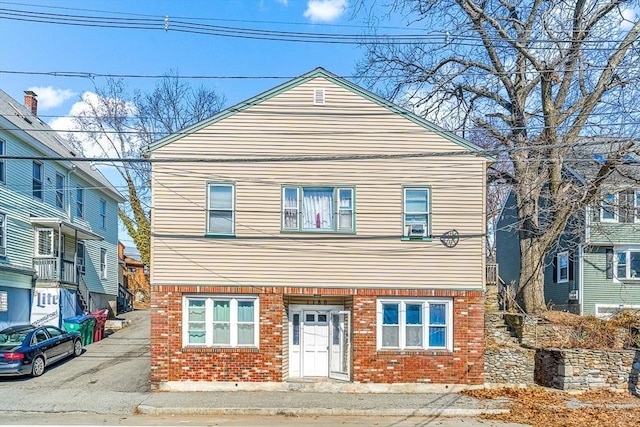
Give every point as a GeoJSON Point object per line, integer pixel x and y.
{"type": "Point", "coordinates": [45, 309]}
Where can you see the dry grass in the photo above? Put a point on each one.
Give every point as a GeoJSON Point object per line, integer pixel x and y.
{"type": "Point", "coordinates": [545, 408]}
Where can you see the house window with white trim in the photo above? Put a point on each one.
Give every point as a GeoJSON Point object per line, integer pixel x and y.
{"type": "Point", "coordinates": [609, 208]}
{"type": "Point", "coordinates": [562, 267]}
{"type": "Point", "coordinates": [628, 263]}
{"type": "Point", "coordinates": [3, 234]}
{"type": "Point", "coordinates": [79, 202]}
{"type": "Point", "coordinates": [103, 263]}
{"type": "Point", "coordinates": [221, 321]}
{"type": "Point", "coordinates": [37, 179]}
{"type": "Point", "coordinates": [59, 191]}
{"type": "Point", "coordinates": [3, 162]}
{"type": "Point", "coordinates": [102, 218]}
{"type": "Point", "coordinates": [415, 324]}
{"type": "Point", "coordinates": [318, 209]}
{"type": "Point", "coordinates": [416, 212]}
{"type": "Point", "coordinates": [220, 209]}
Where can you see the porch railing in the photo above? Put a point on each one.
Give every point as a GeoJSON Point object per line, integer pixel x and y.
{"type": "Point", "coordinates": [85, 295]}
{"type": "Point", "coordinates": [492, 274]}
{"type": "Point", "coordinates": [47, 270]}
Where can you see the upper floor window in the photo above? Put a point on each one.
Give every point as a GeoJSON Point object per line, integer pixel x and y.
{"type": "Point", "coordinates": [102, 219]}
{"type": "Point", "coordinates": [80, 202]}
{"type": "Point", "coordinates": [416, 212]}
{"type": "Point", "coordinates": [221, 321]}
{"type": "Point", "coordinates": [59, 191]}
{"type": "Point", "coordinates": [318, 209]}
{"type": "Point", "coordinates": [80, 257]}
{"type": "Point", "coordinates": [562, 267]}
{"type": "Point", "coordinates": [220, 209]}
{"type": "Point", "coordinates": [418, 324]}
{"type": "Point", "coordinates": [3, 234]}
{"type": "Point", "coordinates": [628, 264]}
{"type": "Point", "coordinates": [37, 179]}
{"type": "Point", "coordinates": [3, 169]}
{"type": "Point", "coordinates": [103, 263]}
{"type": "Point", "coordinates": [609, 208]}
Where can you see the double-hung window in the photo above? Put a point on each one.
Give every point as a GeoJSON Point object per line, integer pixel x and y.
{"type": "Point", "coordinates": [103, 263]}
{"type": "Point", "coordinates": [562, 267]}
{"type": "Point", "coordinates": [3, 234]}
{"type": "Point", "coordinates": [102, 218]}
{"type": "Point", "coordinates": [3, 162]}
{"type": "Point", "coordinates": [416, 212]}
{"type": "Point", "coordinates": [37, 180]}
{"type": "Point", "coordinates": [220, 209]}
{"type": "Point", "coordinates": [415, 324]}
{"type": "Point", "coordinates": [80, 257]}
{"type": "Point", "coordinates": [221, 321]}
{"type": "Point", "coordinates": [320, 209]}
{"type": "Point", "coordinates": [609, 208]}
{"type": "Point", "coordinates": [80, 202]}
{"type": "Point", "coordinates": [628, 263]}
{"type": "Point", "coordinates": [59, 191]}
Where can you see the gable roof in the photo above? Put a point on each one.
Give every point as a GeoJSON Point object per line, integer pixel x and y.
{"type": "Point", "coordinates": [318, 72]}
{"type": "Point", "coordinates": [21, 119]}
{"type": "Point", "coordinates": [587, 157]}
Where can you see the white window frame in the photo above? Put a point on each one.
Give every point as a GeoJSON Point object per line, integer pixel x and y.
{"type": "Point", "coordinates": [614, 207]}
{"type": "Point", "coordinates": [102, 214]}
{"type": "Point", "coordinates": [408, 225]}
{"type": "Point", "coordinates": [336, 209]}
{"type": "Point", "coordinates": [3, 234]}
{"type": "Point", "coordinates": [425, 302]}
{"type": "Point", "coordinates": [39, 180]}
{"type": "Point", "coordinates": [233, 320]}
{"type": "Point", "coordinates": [232, 210]}
{"type": "Point", "coordinates": [3, 162]}
{"type": "Point", "coordinates": [103, 263]}
{"type": "Point", "coordinates": [627, 250]}
{"type": "Point", "coordinates": [80, 202]}
{"type": "Point", "coordinates": [51, 243]}
{"type": "Point", "coordinates": [559, 277]}
{"type": "Point", "coordinates": [59, 191]}
{"type": "Point", "coordinates": [606, 311]}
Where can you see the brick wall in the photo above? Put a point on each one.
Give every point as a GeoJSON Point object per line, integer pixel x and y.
{"type": "Point", "coordinates": [171, 362]}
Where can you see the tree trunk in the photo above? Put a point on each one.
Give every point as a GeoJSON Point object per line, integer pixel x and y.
{"type": "Point", "coordinates": [531, 285]}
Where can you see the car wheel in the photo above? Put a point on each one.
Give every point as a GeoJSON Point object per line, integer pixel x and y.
{"type": "Point", "coordinates": [77, 348]}
{"type": "Point", "coordinates": [37, 367]}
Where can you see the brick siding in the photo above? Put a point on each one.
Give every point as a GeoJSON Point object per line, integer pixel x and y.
{"type": "Point", "coordinates": [170, 361]}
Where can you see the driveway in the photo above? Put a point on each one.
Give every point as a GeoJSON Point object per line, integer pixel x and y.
{"type": "Point", "coordinates": [111, 376]}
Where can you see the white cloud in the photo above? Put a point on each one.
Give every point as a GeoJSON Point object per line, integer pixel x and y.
{"type": "Point", "coordinates": [325, 10]}
{"type": "Point", "coordinates": [50, 97]}
{"type": "Point", "coordinates": [629, 16]}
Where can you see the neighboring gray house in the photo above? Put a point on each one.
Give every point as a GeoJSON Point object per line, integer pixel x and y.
{"type": "Point", "coordinates": [595, 266]}
{"type": "Point", "coordinates": [58, 224]}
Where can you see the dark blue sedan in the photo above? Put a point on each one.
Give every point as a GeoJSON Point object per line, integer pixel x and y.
{"type": "Point", "coordinates": [28, 349]}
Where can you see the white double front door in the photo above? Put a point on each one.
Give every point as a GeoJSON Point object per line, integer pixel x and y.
{"type": "Point", "coordinates": [319, 342]}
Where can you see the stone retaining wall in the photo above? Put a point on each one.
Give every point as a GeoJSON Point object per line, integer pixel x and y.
{"type": "Point", "coordinates": [587, 369]}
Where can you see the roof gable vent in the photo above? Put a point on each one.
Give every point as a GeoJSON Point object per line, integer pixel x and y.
{"type": "Point", "coordinates": [318, 96]}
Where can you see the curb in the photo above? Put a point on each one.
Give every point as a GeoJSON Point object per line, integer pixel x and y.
{"type": "Point", "coordinates": [429, 412]}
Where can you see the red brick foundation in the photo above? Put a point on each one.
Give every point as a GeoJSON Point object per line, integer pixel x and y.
{"type": "Point", "coordinates": [171, 362]}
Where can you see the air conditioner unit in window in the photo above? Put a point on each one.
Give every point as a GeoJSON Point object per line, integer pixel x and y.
{"type": "Point", "coordinates": [573, 295]}
{"type": "Point", "coordinates": [415, 230]}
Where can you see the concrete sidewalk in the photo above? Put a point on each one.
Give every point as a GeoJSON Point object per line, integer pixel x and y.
{"type": "Point", "coordinates": [299, 403]}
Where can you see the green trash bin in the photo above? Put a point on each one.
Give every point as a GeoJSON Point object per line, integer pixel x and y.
{"type": "Point", "coordinates": [87, 337]}
{"type": "Point", "coordinates": [76, 324]}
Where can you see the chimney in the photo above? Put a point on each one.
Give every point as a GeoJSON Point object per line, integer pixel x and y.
{"type": "Point", "coordinates": [31, 101]}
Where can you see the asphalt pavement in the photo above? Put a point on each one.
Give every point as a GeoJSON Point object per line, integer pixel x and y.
{"type": "Point", "coordinates": [112, 377]}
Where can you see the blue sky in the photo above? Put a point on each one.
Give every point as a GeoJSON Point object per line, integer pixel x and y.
{"type": "Point", "coordinates": [45, 47]}
{"type": "Point", "coordinates": [37, 47]}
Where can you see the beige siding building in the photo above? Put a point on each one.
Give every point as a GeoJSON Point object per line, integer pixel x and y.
{"type": "Point", "coordinates": [317, 230]}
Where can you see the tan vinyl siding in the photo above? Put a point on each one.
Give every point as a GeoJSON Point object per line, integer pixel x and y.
{"type": "Point", "coordinates": [290, 125]}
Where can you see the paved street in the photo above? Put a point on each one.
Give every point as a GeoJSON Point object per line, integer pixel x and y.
{"type": "Point", "coordinates": [109, 385]}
